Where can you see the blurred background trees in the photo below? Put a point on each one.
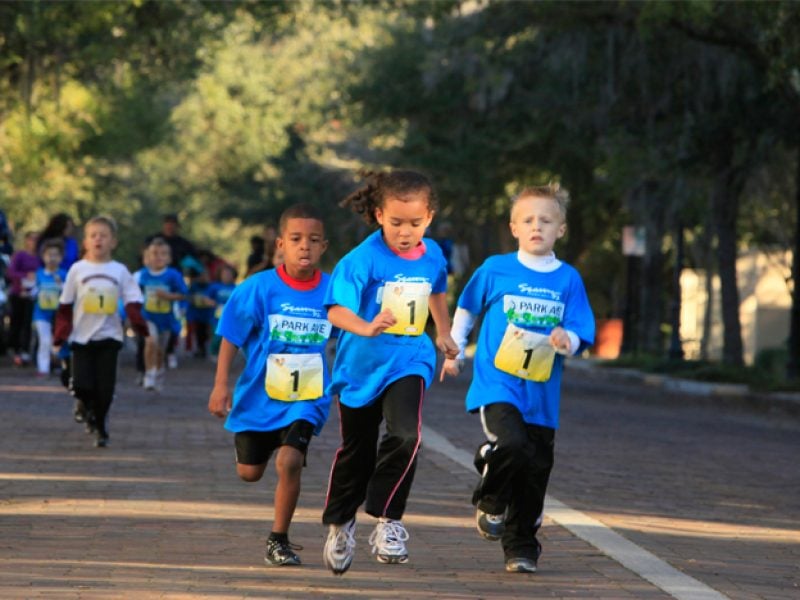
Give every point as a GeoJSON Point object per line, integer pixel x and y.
{"type": "Point", "coordinates": [682, 118]}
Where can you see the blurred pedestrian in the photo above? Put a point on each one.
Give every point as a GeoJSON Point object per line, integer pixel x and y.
{"type": "Point", "coordinates": [22, 275]}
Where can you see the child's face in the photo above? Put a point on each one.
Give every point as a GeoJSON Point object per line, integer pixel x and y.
{"type": "Point", "coordinates": [159, 257]}
{"type": "Point", "coordinates": [226, 275]}
{"type": "Point", "coordinates": [537, 223]}
{"type": "Point", "coordinates": [99, 242]}
{"type": "Point", "coordinates": [51, 258]}
{"type": "Point", "coordinates": [30, 244]}
{"type": "Point", "coordinates": [404, 221]}
{"type": "Point", "coordinates": [302, 243]}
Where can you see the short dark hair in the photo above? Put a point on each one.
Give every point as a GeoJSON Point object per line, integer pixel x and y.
{"type": "Point", "coordinates": [171, 218]}
{"type": "Point", "coordinates": [299, 211]}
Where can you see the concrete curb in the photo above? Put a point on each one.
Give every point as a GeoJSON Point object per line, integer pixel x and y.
{"type": "Point", "coordinates": [738, 393]}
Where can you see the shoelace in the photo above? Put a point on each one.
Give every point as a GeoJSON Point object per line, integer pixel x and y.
{"type": "Point", "coordinates": [345, 539]}
{"type": "Point", "coordinates": [287, 545]}
{"type": "Point", "coordinates": [388, 536]}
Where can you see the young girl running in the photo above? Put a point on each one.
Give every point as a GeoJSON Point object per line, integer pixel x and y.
{"type": "Point", "coordinates": [380, 295]}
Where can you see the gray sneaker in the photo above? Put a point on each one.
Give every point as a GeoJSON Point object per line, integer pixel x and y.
{"type": "Point", "coordinates": [388, 542]}
{"type": "Point", "coordinates": [281, 554]}
{"type": "Point", "coordinates": [521, 564]}
{"type": "Point", "coordinates": [491, 527]}
{"type": "Point", "coordinates": [340, 547]}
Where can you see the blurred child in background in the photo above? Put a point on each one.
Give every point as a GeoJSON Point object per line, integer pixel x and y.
{"type": "Point", "coordinates": [49, 282]}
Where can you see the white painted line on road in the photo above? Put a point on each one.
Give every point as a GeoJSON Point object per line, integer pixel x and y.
{"type": "Point", "coordinates": [645, 564]}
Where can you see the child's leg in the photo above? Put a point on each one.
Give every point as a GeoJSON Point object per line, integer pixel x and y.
{"type": "Point", "coordinates": [140, 344]}
{"type": "Point", "coordinates": [104, 354]}
{"type": "Point", "coordinates": [390, 484]}
{"type": "Point", "coordinates": [27, 323]}
{"type": "Point", "coordinates": [353, 463]}
{"type": "Point", "coordinates": [81, 382]}
{"type": "Point", "coordinates": [190, 333]}
{"type": "Point", "coordinates": [524, 517]}
{"type": "Point", "coordinates": [202, 338]}
{"type": "Point", "coordinates": [45, 334]}
{"type": "Point", "coordinates": [16, 318]}
{"type": "Point", "coordinates": [289, 467]}
{"type": "Point", "coordinates": [503, 425]}
{"type": "Point", "coordinates": [151, 348]}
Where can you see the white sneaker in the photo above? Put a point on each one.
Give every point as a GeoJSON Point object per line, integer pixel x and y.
{"type": "Point", "coordinates": [149, 382]}
{"type": "Point", "coordinates": [172, 361]}
{"type": "Point", "coordinates": [388, 541]}
{"type": "Point", "coordinates": [159, 379]}
{"type": "Point", "coordinates": [340, 547]}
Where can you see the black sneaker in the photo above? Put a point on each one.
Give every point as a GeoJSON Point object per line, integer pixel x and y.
{"type": "Point", "coordinates": [101, 441]}
{"type": "Point", "coordinates": [521, 564]}
{"type": "Point", "coordinates": [79, 411]}
{"type": "Point", "coordinates": [281, 554]}
{"type": "Point", "coordinates": [89, 422]}
{"type": "Point", "coordinates": [491, 527]}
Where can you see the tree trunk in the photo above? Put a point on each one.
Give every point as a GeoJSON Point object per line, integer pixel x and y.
{"type": "Point", "coordinates": [793, 364]}
{"type": "Point", "coordinates": [724, 213]}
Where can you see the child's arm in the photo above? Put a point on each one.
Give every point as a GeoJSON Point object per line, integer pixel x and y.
{"type": "Point", "coordinates": [346, 319]}
{"type": "Point", "coordinates": [444, 341]}
{"type": "Point", "coordinates": [463, 322]}
{"type": "Point", "coordinates": [220, 400]}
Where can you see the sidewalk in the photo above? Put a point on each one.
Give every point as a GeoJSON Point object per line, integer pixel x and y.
{"type": "Point", "coordinates": [161, 513]}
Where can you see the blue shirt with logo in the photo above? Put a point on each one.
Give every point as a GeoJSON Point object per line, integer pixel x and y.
{"type": "Point", "coordinates": [48, 290]}
{"type": "Point", "coordinates": [264, 316]}
{"type": "Point", "coordinates": [507, 292]}
{"type": "Point", "coordinates": [364, 366]}
{"type": "Point", "coordinates": [158, 311]}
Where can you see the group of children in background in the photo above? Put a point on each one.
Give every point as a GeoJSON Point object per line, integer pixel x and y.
{"type": "Point", "coordinates": [376, 305]}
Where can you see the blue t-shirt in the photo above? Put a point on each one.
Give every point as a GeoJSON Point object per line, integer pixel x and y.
{"type": "Point", "coordinates": [511, 294]}
{"type": "Point", "coordinates": [157, 310]}
{"type": "Point", "coordinates": [269, 321]}
{"type": "Point", "coordinates": [364, 366]}
{"type": "Point", "coordinates": [48, 290]}
{"type": "Point", "coordinates": [196, 309]}
{"type": "Point", "coordinates": [220, 292]}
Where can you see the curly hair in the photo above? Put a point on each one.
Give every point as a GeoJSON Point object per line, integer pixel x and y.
{"type": "Point", "coordinates": [399, 184]}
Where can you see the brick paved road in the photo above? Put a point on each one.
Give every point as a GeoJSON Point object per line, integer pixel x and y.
{"type": "Point", "coordinates": [161, 514]}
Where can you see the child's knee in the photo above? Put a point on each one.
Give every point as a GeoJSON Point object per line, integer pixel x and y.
{"type": "Point", "coordinates": [250, 473]}
{"type": "Point", "coordinates": [289, 462]}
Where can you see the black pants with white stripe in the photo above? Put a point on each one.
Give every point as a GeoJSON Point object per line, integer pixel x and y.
{"type": "Point", "coordinates": [515, 476]}
{"type": "Point", "coordinates": [381, 474]}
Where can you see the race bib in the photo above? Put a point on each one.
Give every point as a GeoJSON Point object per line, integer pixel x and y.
{"type": "Point", "coordinates": [409, 304]}
{"type": "Point", "coordinates": [525, 354]}
{"type": "Point", "coordinates": [48, 298]}
{"type": "Point", "coordinates": [294, 377]}
{"type": "Point", "coordinates": [154, 304]}
{"type": "Point", "coordinates": [100, 301]}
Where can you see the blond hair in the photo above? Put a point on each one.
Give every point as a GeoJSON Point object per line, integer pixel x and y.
{"type": "Point", "coordinates": [552, 190]}
{"type": "Point", "coordinates": [103, 220]}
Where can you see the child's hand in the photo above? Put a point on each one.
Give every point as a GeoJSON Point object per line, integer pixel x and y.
{"type": "Point", "coordinates": [220, 402]}
{"type": "Point", "coordinates": [452, 367]}
{"type": "Point", "coordinates": [382, 321]}
{"type": "Point", "coordinates": [559, 340]}
{"type": "Point", "coordinates": [446, 344]}
{"type": "Point", "coordinates": [163, 294]}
